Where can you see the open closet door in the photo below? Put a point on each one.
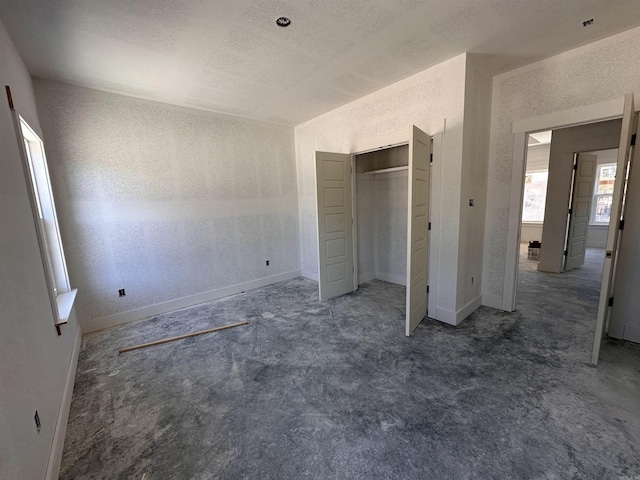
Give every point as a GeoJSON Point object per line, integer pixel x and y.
{"type": "Point", "coordinates": [585, 172]}
{"type": "Point", "coordinates": [628, 124]}
{"type": "Point", "coordinates": [417, 228]}
{"type": "Point", "coordinates": [335, 224]}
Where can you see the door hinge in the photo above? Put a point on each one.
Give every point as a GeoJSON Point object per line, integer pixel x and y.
{"type": "Point", "coordinates": [570, 210]}
{"type": "Point", "coordinates": [622, 224]}
{"type": "Point", "coordinates": [431, 157]}
{"type": "Point", "coordinates": [566, 252]}
{"type": "Point", "coordinates": [9, 97]}
{"type": "Point", "coordinates": [427, 288]}
{"type": "Point", "coordinates": [633, 139]}
{"type": "Point", "coordinates": [611, 301]}
{"type": "Point", "coordinates": [575, 166]}
{"type": "Point", "coordinates": [429, 225]}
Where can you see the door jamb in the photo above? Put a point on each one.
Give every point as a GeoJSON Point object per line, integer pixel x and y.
{"type": "Point", "coordinates": [521, 128]}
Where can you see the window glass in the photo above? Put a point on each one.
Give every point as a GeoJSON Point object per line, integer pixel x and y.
{"type": "Point", "coordinates": [603, 196]}
{"type": "Point", "coordinates": [535, 195]}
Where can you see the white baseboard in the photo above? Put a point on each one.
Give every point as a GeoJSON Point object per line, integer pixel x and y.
{"type": "Point", "coordinates": [631, 333]}
{"type": "Point", "coordinates": [55, 454]}
{"type": "Point", "coordinates": [455, 318]}
{"type": "Point", "coordinates": [493, 301]}
{"type": "Point", "coordinates": [310, 275]}
{"type": "Point", "coordinates": [468, 309]}
{"type": "Point", "coordinates": [446, 316]}
{"type": "Point", "coordinates": [144, 312]}
{"type": "Point", "coordinates": [397, 279]}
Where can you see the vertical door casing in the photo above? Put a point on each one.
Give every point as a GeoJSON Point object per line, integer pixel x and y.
{"type": "Point", "coordinates": [335, 224]}
{"type": "Point", "coordinates": [625, 322]}
{"type": "Point", "coordinates": [624, 149]}
{"type": "Point", "coordinates": [580, 210]}
{"type": "Point", "coordinates": [417, 228]}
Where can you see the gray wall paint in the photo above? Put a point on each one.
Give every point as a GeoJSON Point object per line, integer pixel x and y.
{"type": "Point", "coordinates": [597, 72]}
{"type": "Point", "coordinates": [165, 201]}
{"type": "Point", "coordinates": [34, 360]}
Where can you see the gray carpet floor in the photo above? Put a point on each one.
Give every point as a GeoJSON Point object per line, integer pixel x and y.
{"type": "Point", "coordinates": [334, 390]}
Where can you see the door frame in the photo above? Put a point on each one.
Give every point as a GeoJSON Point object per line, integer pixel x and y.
{"type": "Point", "coordinates": [396, 139]}
{"type": "Point", "coordinates": [599, 112]}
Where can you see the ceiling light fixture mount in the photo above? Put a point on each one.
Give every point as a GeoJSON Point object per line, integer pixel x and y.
{"type": "Point", "coordinates": [283, 22]}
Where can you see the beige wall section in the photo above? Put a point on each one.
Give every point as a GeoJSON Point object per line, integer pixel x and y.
{"type": "Point", "coordinates": [165, 201]}
{"type": "Point", "coordinates": [34, 360]}
{"type": "Point", "coordinates": [425, 100]}
{"type": "Point", "coordinates": [594, 73]}
{"type": "Point", "coordinates": [475, 152]}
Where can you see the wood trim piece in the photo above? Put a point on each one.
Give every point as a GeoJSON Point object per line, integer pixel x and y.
{"type": "Point", "coordinates": [180, 337]}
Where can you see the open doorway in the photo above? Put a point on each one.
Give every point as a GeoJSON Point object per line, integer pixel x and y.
{"type": "Point", "coordinates": [564, 161]}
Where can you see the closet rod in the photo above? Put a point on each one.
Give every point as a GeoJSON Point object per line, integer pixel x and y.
{"type": "Point", "coordinates": [386, 170]}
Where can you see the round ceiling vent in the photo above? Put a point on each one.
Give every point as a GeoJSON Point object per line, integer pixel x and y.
{"type": "Point", "coordinates": [283, 22]}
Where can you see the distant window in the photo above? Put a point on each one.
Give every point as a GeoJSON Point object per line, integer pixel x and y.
{"type": "Point", "coordinates": [44, 213]}
{"type": "Point", "coordinates": [535, 195]}
{"type": "Point", "coordinates": [603, 194]}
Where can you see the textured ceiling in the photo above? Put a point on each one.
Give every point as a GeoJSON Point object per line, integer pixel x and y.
{"type": "Point", "coordinates": [228, 56]}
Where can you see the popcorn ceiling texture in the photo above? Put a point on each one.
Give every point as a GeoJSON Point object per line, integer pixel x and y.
{"type": "Point", "coordinates": [425, 100]}
{"type": "Point", "coordinates": [165, 201]}
{"type": "Point", "coordinates": [594, 73]}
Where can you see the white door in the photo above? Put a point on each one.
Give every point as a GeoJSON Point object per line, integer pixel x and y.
{"type": "Point", "coordinates": [417, 228]}
{"type": "Point", "coordinates": [625, 321]}
{"type": "Point", "coordinates": [585, 171]}
{"type": "Point", "coordinates": [614, 224]}
{"type": "Point", "coordinates": [335, 224]}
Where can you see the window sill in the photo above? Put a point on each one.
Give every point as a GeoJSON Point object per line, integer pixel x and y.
{"type": "Point", "coordinates": [65, 303]}
{"type": "Point", "coordinates": [601, 226]}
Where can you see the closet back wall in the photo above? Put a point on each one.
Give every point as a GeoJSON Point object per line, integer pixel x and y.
{"type": "Point", "coordinates": [165, 201]}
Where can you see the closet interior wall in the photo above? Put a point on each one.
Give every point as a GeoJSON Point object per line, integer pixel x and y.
{"type": "Point", "coordinates": [381, 215]}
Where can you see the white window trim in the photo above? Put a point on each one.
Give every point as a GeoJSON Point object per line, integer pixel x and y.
{"type": "Point", "coordinates": [61, 296]}
{"type": "Point", "coordinates": [592, 214]}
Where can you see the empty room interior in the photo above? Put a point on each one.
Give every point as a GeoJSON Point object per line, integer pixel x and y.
{"type": "Point", "coordinates": [330, 240]}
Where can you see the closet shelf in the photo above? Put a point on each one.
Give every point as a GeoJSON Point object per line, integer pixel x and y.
{"type": "Point", "coordinates": [386, 170]}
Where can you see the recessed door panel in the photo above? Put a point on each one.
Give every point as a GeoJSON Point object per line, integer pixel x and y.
{"type": "Point", "coordinates": [335, 232]}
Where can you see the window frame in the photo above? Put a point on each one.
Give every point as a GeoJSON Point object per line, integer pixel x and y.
{"type": "Point", "coordinates": [38, 182]}
{"type": "Point", "coordinates": [595, 194]}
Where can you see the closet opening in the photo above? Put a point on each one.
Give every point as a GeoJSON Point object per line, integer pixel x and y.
{"type": "Point", "coordinates": [381, 209]}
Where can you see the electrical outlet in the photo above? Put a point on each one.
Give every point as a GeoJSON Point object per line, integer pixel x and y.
{"type": "Point", "coordinates": [121, 293]}
{"type": "Point", "coordinates": [36, 417]}
{"type": "Point", "coordinates": [267, 263]}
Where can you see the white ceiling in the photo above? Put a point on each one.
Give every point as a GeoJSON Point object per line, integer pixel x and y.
{"type": "Point", "coordinates": [228, 56]}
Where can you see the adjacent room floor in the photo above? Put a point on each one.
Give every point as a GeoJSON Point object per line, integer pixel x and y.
{"type": "Point", "coordinates": [336, 391]}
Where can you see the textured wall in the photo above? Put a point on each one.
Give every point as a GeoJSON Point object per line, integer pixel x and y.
{"type": "Point", "coordinates": [594, 73]}
{"type": "Point", "coordinates": [165, 201]}
{"type": "Point", "coordinates": [34, 360]}
{"type": "Point", "coordinates": [391, 200]}
{"type": "Point", "coordinates": [366, 227]}
{"type": "Point", "coordinates": [475, 152]}
{"type": "Point", "coordinates": [424, 100]}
